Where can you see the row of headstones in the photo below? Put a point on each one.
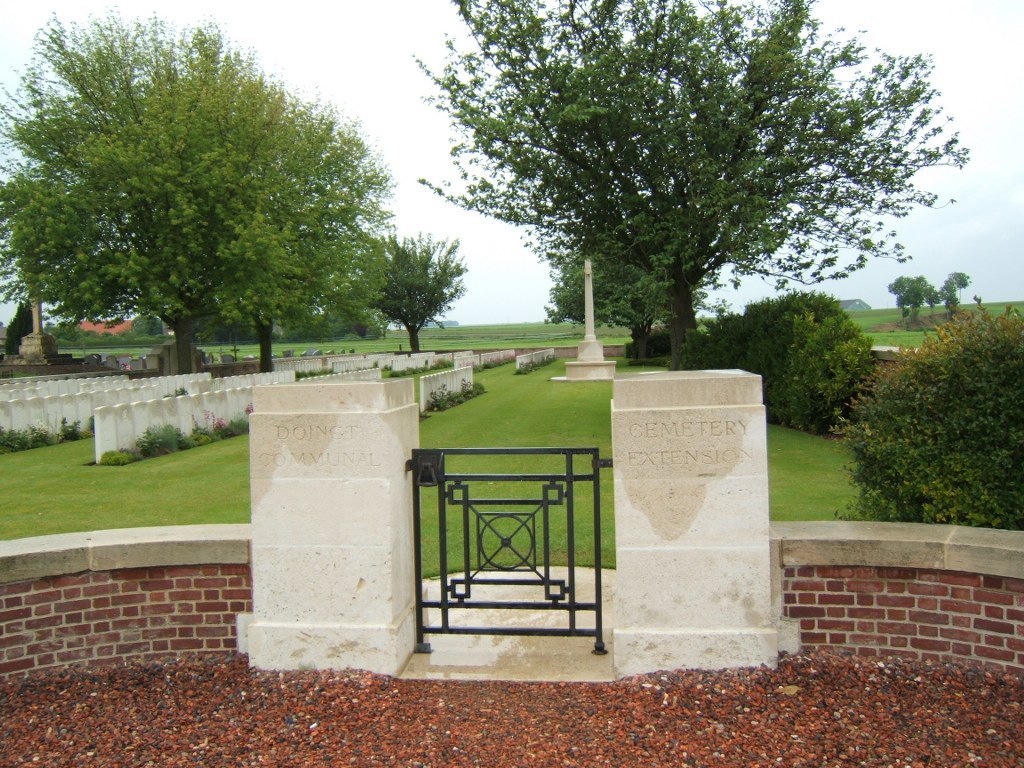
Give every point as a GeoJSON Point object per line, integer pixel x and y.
{"type": "Point", "coordinates": [539, 357]}
{"type": "Point", "coordinates": [327, 362]}
{"type": "Point", "coordinates": [448, 381]}
{"type": "Point", "coordinates": [366, 362]}
{"type": "Point", "coordinates": [72, 386]}
{"type": "Point", "coordinates": [118, 427]}
{"type": "Point", "coordinates": [51, 411]}
{"type": "Point", "coordinates": [497, 358]}
{"type": "Point", "coordinates": [363, 374]}
{"type": "Point", "coordinates": [124, 362]}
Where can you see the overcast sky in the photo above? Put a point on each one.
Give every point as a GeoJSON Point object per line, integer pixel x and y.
{"type": "Point", "coordinates": [360, 56]}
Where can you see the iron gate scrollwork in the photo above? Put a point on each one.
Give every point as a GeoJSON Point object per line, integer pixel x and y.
{"type": "Point", "coordinates": [499, 530]}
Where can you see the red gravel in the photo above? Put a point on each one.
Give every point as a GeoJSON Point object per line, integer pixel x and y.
{"type": "Point", "coordinates": [817, 710]}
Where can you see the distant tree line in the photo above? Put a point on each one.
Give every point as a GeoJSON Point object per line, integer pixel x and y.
{"type": "Point", "coordinates": [912, 293]}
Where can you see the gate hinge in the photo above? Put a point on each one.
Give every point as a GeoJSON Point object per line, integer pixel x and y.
{"type": "Point", "coordinates": [602, 463]}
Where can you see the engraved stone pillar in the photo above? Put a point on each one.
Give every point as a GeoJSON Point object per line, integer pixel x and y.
{"type": "Point", "coordinates": [693, 577]}
{"type": "Point", "coordinates": [332, 549]}
{"type": "Point", "coordinates": [37, 346]}
{"type": "Point", "coordinates": [590, 364]}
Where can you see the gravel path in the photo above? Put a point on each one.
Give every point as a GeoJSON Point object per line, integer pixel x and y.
{"type": "Point", "coordinates": [814, 710]}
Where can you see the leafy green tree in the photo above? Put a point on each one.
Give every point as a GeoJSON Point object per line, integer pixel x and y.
{"type": "Point", "coordinates": [939, 438]}
{"type": "Point", "coordinates": [911, 294]}
{"type": "Point", "coordinates": [19, 327]}
{"type": "Point", "coordinates": [685, 138]}
{"type": "Point", "coordinates": [624, 297]}
{"type": "Point", "coordinates": [949, 293]}
{"type": "Point", "coordinates": [147, 326]}
{"type": "Point", "coordinates": [423, 278]}
{"type": "Point", "coordinates": [168, 176]}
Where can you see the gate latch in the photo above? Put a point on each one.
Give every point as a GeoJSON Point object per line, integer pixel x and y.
{"type": "Point", "coordinates": [428, 466]}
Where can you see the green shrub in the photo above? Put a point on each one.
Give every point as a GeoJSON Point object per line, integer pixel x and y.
{"type": "Point", "coordinates": [69, 432]}
{"type": "Point", "coordinates": [940, 436]}
{"type": "Point", "coordinates": [161, 440]}
{"type": "Point", "coordinates": [810, 355]}
{"type": "Point", "coordinates": [40, 437]}
{"type": "Point", "coordinates": [117, 458]}
{"type": "Point", "coordinates": [13, 440]}
{"type": "Point", "coordinates": [829, 363]}
{"type": "Point", "coordinates": [442, 399]}
{"type": "Point", "coordinates": [238, 426]}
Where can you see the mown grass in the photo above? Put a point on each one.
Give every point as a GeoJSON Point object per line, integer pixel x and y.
{"type": "Point", "coordinates": [58, 490]}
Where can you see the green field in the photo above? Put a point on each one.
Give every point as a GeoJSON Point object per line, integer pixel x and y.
{"type": "Point", "coordinates": [513, 335]}
{"type": "Point", "coordinates": [58, 489]}
{"type": "Point", "coordinates": [887, 328]}
{"type": "Point", "coordinates": [878, 324]}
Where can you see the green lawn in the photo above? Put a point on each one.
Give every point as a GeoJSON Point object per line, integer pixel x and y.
{"type": "Point", "coordinates": [57, 489]}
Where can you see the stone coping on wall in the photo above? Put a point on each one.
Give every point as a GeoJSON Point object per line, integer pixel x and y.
{"type": "Point", "coordinates": [901, 545]}
{"type": "Point", "coordinates": [45, 556]}
{"type": "Point", "coordinates": [982, 551]}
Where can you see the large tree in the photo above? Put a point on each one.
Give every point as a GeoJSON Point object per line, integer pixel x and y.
{"type": "Point", "coordinates": [423, 278]}
{"type": "Point", "coordinates": [687, 138]}
{"type": "Point", "coordinates": [164, 174]}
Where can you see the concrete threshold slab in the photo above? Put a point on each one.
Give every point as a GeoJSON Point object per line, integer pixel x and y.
{"type": "Point", "coordinates": [518, 657]}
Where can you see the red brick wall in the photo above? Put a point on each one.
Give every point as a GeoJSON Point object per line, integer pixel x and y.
{"type": "Point", "coordinates": [108, 617]}
{"type": "Point", "coordinates": [910, 612]}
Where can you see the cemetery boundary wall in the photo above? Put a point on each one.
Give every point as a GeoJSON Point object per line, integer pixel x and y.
{"type": "Point", "coordinates": [939, 593]}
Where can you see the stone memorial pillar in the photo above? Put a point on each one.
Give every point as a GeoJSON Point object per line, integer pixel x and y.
{"type": "Point", "coordinates": [332, 547]}
{"type": "Point", "coordinates": [590, 364]}
{"type": "Point", "coordinates": [38, 346]}
{"type": "Point", "coordinates": [693, 578]}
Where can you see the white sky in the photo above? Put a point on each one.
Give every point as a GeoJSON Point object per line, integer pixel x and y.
{"type": "Point", "coordinates": [359, 55]}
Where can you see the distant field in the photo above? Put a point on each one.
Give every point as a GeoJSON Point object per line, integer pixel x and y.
{"type": "Point", "coordinates": [884, 326]}
{"type": "Point", "coordinates": [517, 335]}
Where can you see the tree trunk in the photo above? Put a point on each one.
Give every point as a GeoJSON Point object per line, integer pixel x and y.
{"type": "Point", "coordinates": [414, 339]}
{"type": "Point", "coordinates": [265, 334]}
{"type": "Point", "coordinates": [183, 344]}
{"type": "Point", "coordinates": [682, 322]}
{"type": "Point", "coordinates": [640, 334]}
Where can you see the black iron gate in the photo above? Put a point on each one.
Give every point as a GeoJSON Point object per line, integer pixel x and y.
{"type": "Point", "coordinates": [495, 534]}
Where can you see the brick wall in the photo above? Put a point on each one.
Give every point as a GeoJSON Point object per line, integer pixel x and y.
{"type": "Point", "coordinates": [108, 617]}
{"type": "Point", "coordinates": [921, 591]}
{"type": "Point", "coordinates": [910, 612]}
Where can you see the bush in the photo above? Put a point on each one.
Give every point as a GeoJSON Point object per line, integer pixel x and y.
{"type": "Point", "coordinates": [442, 399]}
{"type": "Point", "coordinates": [811, 356]}
{"type": "Point", "coordinates": [117, 458]}
{"type": "Point", "coordinates": [940, 436]}
{"type": "Point", "coordinates": [161, 440]}
{"type": "Point", "coordinates": [828, 365]}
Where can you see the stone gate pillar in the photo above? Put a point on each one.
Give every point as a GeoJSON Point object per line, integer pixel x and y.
{"type": "Point", "coordinates": [332, 546]}
{"type": "Point", "coordinates": [693, 578]}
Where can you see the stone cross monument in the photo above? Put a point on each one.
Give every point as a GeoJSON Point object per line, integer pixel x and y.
{"type": "Point", "coordinates": [590, 364]}
{"type": "Point", "coordinates": [37, 346]}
